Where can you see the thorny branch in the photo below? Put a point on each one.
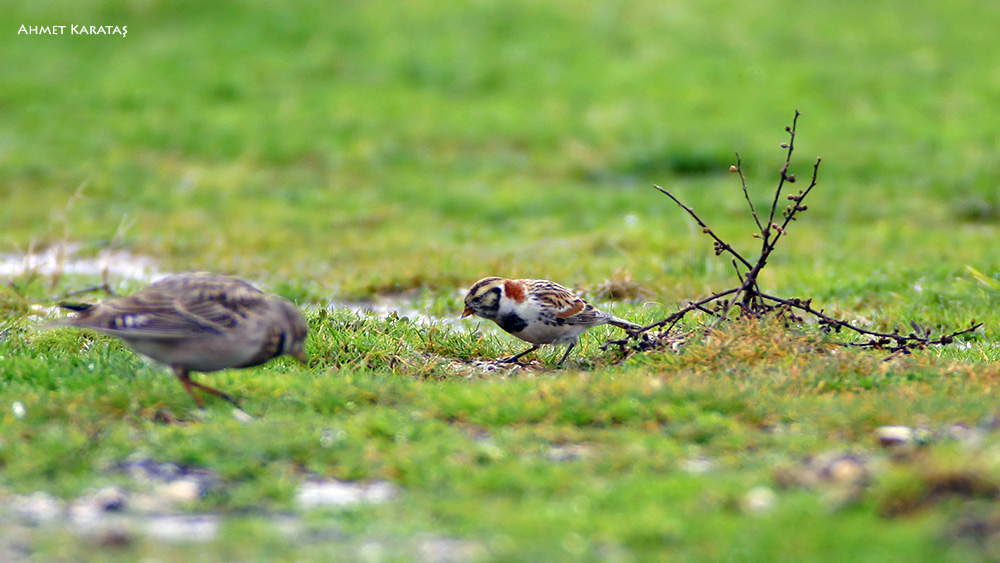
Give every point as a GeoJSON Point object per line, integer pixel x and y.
{"type": "Point", "coordinates": [752, 302]}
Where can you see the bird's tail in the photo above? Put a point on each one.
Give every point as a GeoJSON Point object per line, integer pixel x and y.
{"type": "Point", "coordinates": [78, 307]}
{"type": "Point", "coordinates": [68, 321]}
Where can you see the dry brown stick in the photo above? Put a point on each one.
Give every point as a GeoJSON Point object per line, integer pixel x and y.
{"type": "Point", "coordinates": [878, 337]}
{"type": "Point", "coordinates": [769, 244]}
{"type": "Point", "coordinates": [754, 302]}
{"type": "Point", "coordinates": [784, 173]}
{"type": "Point", "coordinates": [685, 310]}
{"type": "Point", "coordinates": [738, 168]}
{"type": "Point", "coordinates": [720, 244]}
{"type": "Point", "coordinates": [793, 210]}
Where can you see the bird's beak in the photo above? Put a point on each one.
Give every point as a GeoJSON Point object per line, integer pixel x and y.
{"type": "Point", "coordinates": [468, 311]}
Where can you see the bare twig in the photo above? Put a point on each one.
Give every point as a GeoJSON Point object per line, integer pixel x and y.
{"type": "Point", "coordinates": [690, 307]}
{"type": "Point", "coordinates": [920, 337]}
{"type": "Point", "coordinates": [720, 245]}
{"type": "Point", "coordinates": [738, 168]}
{"type": "Point", "coordinates": [784, 170]}
{"type": "Point", "coordinates": [752, 302]}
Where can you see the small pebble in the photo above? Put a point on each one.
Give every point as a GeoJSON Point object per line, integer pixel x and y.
{"type": "Point", "coordinates": [568, 453]}
{"type": "Point", "coordinates": [110, 499]}
{"type": "Point", "coordinates": [181, 491]}
{"type": "Point", "coordinates": [89, 512]}
{"type": "Point", "coordinates": [315, 494]}
{"type": "Point", "coordinates": [39, 508]}
{"type": "Point", "coordinates": [448, 550]}
{"type": "Point", "coordinates": [895, 435]}
{"type": "Point", "coordinates": [242, 416]}
{"type": "Point", "coordinates": [183, 529]}
{"type": "Point", "coordinates": [759, 500]}
{"type": "Point", "coordinates": [696, 465]}
{"type": "Point", "coordinates": [846, 471]}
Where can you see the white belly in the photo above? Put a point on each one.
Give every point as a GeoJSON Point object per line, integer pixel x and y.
{"type": "Point", "coordinates": [538, 333]}
{"type": "Point", "coordinates": [207, 354]}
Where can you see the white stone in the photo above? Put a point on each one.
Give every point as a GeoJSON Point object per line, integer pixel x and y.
{"type": "Point", "coordinates": [183, 529]}
{"type": "Point", "coordinates": [39, 508]}
{"type": "Point", "coordinates": [315, 494]}
{"type": "Point", "coordinates": [895, 435]}
{"type": "Point", "coordinates": [758, 500]}
{"type": "Point", "coordinates": [180, 491]}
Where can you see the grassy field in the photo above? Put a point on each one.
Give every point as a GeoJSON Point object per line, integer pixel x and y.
{"type": "Point", "coordinates": [365, 154]}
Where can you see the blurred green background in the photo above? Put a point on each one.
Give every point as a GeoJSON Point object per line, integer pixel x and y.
{"type": "Point", "coordinates": [366, 146]}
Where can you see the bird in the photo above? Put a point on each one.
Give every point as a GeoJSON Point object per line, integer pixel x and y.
{"type": "Point", "coordinates": [537, 311]}
{"type": "Point", "coordinates": [199, 321]}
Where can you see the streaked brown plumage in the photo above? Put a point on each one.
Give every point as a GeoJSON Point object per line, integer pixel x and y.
{"type": "Point", "coordinates": [200, 322]}
{"type": "Point", "coordinates": [536, 311]}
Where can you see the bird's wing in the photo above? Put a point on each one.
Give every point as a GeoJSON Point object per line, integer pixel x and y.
{"type": "Point", "coordinates": [179, 307]}
{"type": "Point", "coordinates": [566, 305]}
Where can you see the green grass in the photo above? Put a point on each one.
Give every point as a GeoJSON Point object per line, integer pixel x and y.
{"type": "Point", "coordinates": [359, 151]}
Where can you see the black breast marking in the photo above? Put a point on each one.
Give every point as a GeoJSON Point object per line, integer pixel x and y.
{"type": "Point", "coordinates": [512, 323]}
{"type": "Point", "coordinates": [548, 319]}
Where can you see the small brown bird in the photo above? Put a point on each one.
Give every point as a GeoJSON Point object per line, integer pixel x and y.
{"type": "Point", "coordinates": [537, 311]}
{"type": "Point", "coordinates": [199, 322]}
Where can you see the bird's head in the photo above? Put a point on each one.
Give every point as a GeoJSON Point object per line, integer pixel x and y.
{"type": "Point", "coordinates": [483, 298]}
{"type": "Point", "coordinates": [296, 331]}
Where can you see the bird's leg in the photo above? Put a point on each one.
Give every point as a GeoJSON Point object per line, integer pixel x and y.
{"type": "Point", "coordinates": [566, 355]}
{"type": "Point", "coordinates": [185, 378]}
{"type": "Point", "coordinates": [517, 357]}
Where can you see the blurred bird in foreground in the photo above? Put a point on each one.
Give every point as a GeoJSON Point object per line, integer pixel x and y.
{"type": "Point", "coordinates": [199, 322]}
{"type": "Point", "coordinates": [537, 311]}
